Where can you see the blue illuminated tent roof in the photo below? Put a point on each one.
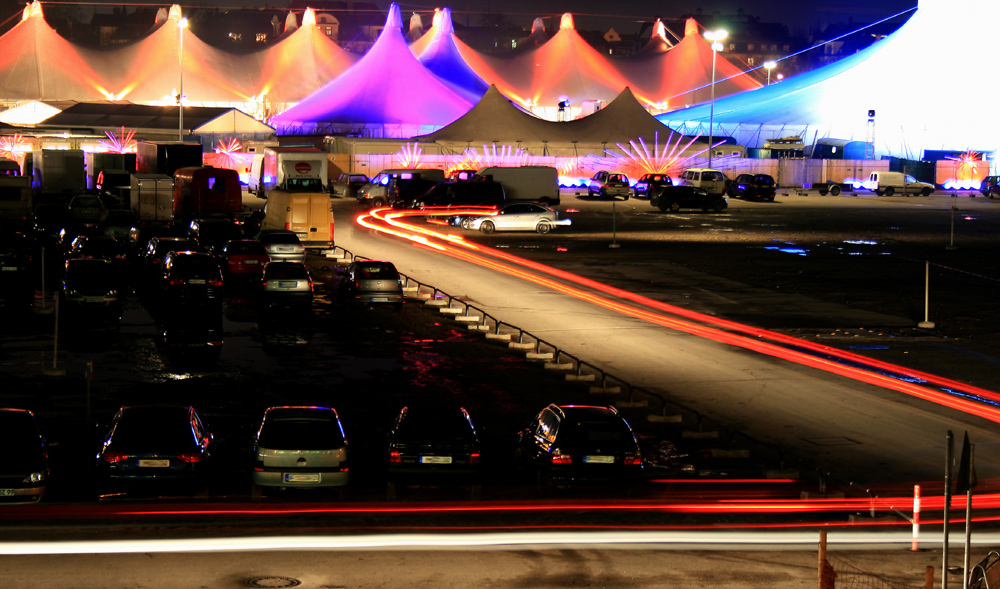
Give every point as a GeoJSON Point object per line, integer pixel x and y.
{"type": "Point", "coordinates": [442, 58]}
{"type": "Point", "coordinates": [387, 87]}
{"type": "Point", "coordinates": [903, 78]}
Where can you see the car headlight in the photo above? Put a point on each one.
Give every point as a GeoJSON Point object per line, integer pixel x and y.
{"type": "Point", "coordinates": [35, 477]}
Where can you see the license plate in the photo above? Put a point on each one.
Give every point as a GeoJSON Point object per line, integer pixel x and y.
{"type": "Point", "coordinates": [148, 463]}
{"type": "Point", "coordinates": [6, 492]}
{"type": "Point", "coordinates": [435, 459]}
{"type": "Point", "coordinates": [10, 268]}
{"type": "Point", "coordinates": [93, 299]}
{"type": "Point", "coordinates": [196, 281]}
{"type": "Point", "coordinates": [380, 299]}
{"type": "Point", "coordinates": [301, 478]}
{"type": "Point", "coordinates": [599, 459]}
{"type": "Point", "coordinates": [251, 261]}
{"type": "Point", "coordinates": [287, 284]}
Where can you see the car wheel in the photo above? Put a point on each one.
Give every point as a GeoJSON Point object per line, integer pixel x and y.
{"type": "Point", "coordinates": [925, 192]}
{"type": "Point", "coordinates": [879, 192]}
{"type": "Point", "coordinates": [603, 194]}
{"type": "Point", "coordinates": [487, 227]}
{"type": "Point", "coordinates": [674, 207]}
{"type": "Point", "coordinates": [543, 228]}
{"type": "Point", "coordinates": [822, 193]}
{"type": "Point", "coordinates": [889, 191]}
{"type": "Point", "coordinates": [717, 207]}
{"type": "Point", "coordinates": [590, 193]}
{"type": "Point", "coordinates": [835, 190]}
{"type": "Point", "coordinates": [466, 223]}
{"type": "Point", "coordinates": [379, 202]}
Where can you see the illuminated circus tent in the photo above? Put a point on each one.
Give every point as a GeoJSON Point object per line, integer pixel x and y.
{"type": "Point", "coordinates": [915, 88]}
{"type": "Point", "coordinates": [386, 93]}
{"type": "Point", "coordinates": [658, 41]}
{"type": "Point", "coordinates": [36, 63]}
{"type": "Point", "coordinates": [300, 63]}
{"type": "Point", "coordinates": [683, 75]}
{"type": "Point", "coordinates": [442, 57]}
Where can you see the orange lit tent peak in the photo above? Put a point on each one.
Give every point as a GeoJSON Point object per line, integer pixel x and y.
{"type": "Point", "coordinates": [566, 22]}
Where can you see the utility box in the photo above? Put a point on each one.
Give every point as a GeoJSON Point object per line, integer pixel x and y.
{"type": "Point", "coordinates": [152, 197]}
{"type": "Point", "coordinates": [58, 172]}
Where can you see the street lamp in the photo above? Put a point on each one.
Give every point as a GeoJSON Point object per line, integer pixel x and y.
{"type": "Point", "coordinates": [181, 25]}
{"type": "Point", "coordinates": [716, 38]}
{"type": "Point", "coordinates": [769, 65]}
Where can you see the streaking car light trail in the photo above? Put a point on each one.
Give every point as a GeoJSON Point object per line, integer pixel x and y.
{"type": "Point", "coordinates": [955, 395]}
{"type": "Point", "coordinates": [658, 540]}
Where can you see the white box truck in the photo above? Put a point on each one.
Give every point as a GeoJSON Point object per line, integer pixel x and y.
{"type": "Point", "coordinates": [528, 183]}
{"type": "Point", "coordinates": [295, 169]}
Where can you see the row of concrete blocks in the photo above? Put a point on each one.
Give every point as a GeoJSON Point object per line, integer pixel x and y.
{"type": "Point", "coordinates": [475, 323]}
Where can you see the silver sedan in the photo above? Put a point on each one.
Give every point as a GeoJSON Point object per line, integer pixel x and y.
{"type": "Point", "coordinates": [517, 216]}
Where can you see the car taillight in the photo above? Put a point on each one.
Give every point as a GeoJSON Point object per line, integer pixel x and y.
{"type": "Point", "coordinates": [558, 457]}
{"type": "Point", "coordinates": [311, 286]}
{"type": "Point", "coordinates": [474, 458]}
{"type": "Point", "coordinates": [633, 460]}
{"type": "Point", "coordinates": [288, 226]}
{"type": "Point", "coordinates": [113, 457]}
{"type": "Point", "coordinates": [394, 456]}
{"type": "Point", "coordinates": [214, 282]}
{"type": "Point", "coordinates": [331, 231]}
{"type": "Point", "coordinates": [189, 457]}
{"type": "Point", "coordinates": [174, 282]}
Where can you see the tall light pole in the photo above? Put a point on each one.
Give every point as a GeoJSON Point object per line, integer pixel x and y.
{"type": "Point", "coordinates": [716, 38]}
{"type": "Point", "coordinates": [769, 65]}
{"type": "Point", "coordinates": [181, 25]}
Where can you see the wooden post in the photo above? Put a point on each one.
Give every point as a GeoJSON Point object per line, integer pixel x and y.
{"type": "Point", "coordinates": [821, 565]}
{"type": "Point", "coordinates": [929, 578]}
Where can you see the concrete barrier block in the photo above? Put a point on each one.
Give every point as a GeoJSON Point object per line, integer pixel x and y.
{"type": "Point", "coordinates": [467, 318]}
{"type": "Point", "coordinates": [450, 310]}
{"type": "Point", "coordinates": [630, 404]}
{"type": "Point", "coordinates": [436, 303]}
{"type": "Point", "coordinates": [500, 337]}
{"type": "Point", "coordinates": [580, 377]}
{"type": "Point", "coordinates": [520, 346]}
{"type": "Point", "coordinates": [664, 418]}
{"type": "Point", "coordinates": [478, 328]}
{"type": "Point", "coordinates": [713, 435]}
{"type": "Point", "coordinates": [605, 390]}
{"type": "Point", "coordinates": [560, 366]}
{"type": "Point", "coordinates": [539, 355]}
{"type": "Point", "coordinates": [419, 296]}
{"type": "Point", "coordinates": [725, 453]}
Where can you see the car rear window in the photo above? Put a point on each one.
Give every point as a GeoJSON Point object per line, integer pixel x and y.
{"type": "Point", "coordinates": [597, 435]}
{"type": "Point", "coordinates": [437, 424]}
{"type": "Point", "coordinates": [283, 238]}
{"type": "Point", "coordinates": [301, 433]}
{"type": "Point", "coordinates": [86, 275]}
{"type": "Point", "coordinates": [169, 431]}
{"type": "Point", "coordinates": [197, 265]}
{"type": "Point", "coordinates": [375, 271]}
{"type": "Point", "coordinates": [286, 271]}
{"type": "Point", "coordinates": [246, 248]}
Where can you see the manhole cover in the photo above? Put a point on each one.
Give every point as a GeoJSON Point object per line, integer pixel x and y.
{"type": "Point", "coordinates": [273, 582]}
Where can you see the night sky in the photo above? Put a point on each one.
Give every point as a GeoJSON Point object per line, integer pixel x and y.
{"type": "Point", "coordinates": [799, 15]}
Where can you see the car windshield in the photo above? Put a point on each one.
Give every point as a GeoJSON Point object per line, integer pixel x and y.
{"type": "Point", "coordinates": [101, 246]}
{"type": "Point", "coordinates": [376, 271]}
{"type": "Point", "coordinates": [87, 275]}
{"type": "Point", "coordinates": [596, 434]}
{"type": "Point", "coordinates": [317, 432]}
{"type": "Point", "coordinates": [198, 265]}
{"type": "Point", "coordinates": [764, 179]}
{"type": "Point", "coordinates": [17, 429]}
{"type": "Point", "coordinates": [87, 202]}
{"type": "Point", "coordinates": [166, 430]}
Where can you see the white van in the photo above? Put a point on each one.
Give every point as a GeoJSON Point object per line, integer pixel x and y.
{"type": "Point", "coordinates": [708, 179]}
{"type": "Point", "coordinates": [889, 183]}
{"type": "Point", "coordinates": [528, 183]}
{"type": "Point", "coordinates": [308, 214]}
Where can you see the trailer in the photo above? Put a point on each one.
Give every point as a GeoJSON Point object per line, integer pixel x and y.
{"type": "Point", "coordinates": [58, 172]}
{"type": "Point", "coordinates": [294, 169]}
{"type": "Point", "coordinates": [166, 157]}
{"type": "Point", "coordinates": [205, 191]}
{"type": "Point", "coordinates": [152, 198]}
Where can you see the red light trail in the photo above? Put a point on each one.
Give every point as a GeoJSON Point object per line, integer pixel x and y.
{"type": "Point", "coordinates": [778, 345]}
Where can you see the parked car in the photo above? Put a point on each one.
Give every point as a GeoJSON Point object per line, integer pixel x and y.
{"type": "Point", "coordinates": [433, 443]}
{"type": "Point", "coordinates": [461, 194]}
{"type": "Point", "coordinates": [402, 191]}
{"type": "Point", "coordinates": [155, 444]}
{"type": "Point", "coordinates": [300, 447]}
{"type": "Point", "coordinates": [753, 186]}
{"type": "Point", "coordinates": [708, 179]}
{"type": "Point", "coordinates": [100, 247]}
{"type": "Point", "coordinates": [87, 209]}
{"type": "Point", "coordinates": [286, 282]}
{"type": "Point", "coordinates": [609, 185]}
{"type": "Point", "coordinates": [243, 257]}
{"type": "Point", "coordinates": [649, 182]}
{"type": "Point", "coordinates": [191, 277]}
{"type": "Point", "coordinates": [566, 444]}
{"type": "Point", "coordinates": [24, 471]}
{"type": "Point", "coordinates": [117, 224]}
{"type": "Point", "coordinates": [158, 247]}
{"type": "Point", "coordinates": [347, 185]}
{"type": "Point", "coordinates": [91, 283]}
{"type": "Point", "coordinates": [212, 234]}
{"type": "Point", "coordinates": [282, 245]}
{"type": "Point", "coordinates": [372, 281]}
{"type": "Point", "coordinates": [675, 198]}
{"type": "Point", "coordinates": [990, 186]}
{"type": "Point", "coordinates": [140, 235]}
{"type": "Point", "coordinates": [890, 183]}
{"type": "Point", "coordinates": [49, 219]}
{"type": "Point", "coordinates": [517, 216]}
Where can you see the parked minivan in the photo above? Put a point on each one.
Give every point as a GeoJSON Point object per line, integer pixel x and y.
{"type": "Point", "coordinates": [710, 180]}
{"type": "Point", "coordinates": [307, 214]}
{"type": "Point", "coordinates": [374, 193]}
{"type": "Point", "coordinates": [889, 183]}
